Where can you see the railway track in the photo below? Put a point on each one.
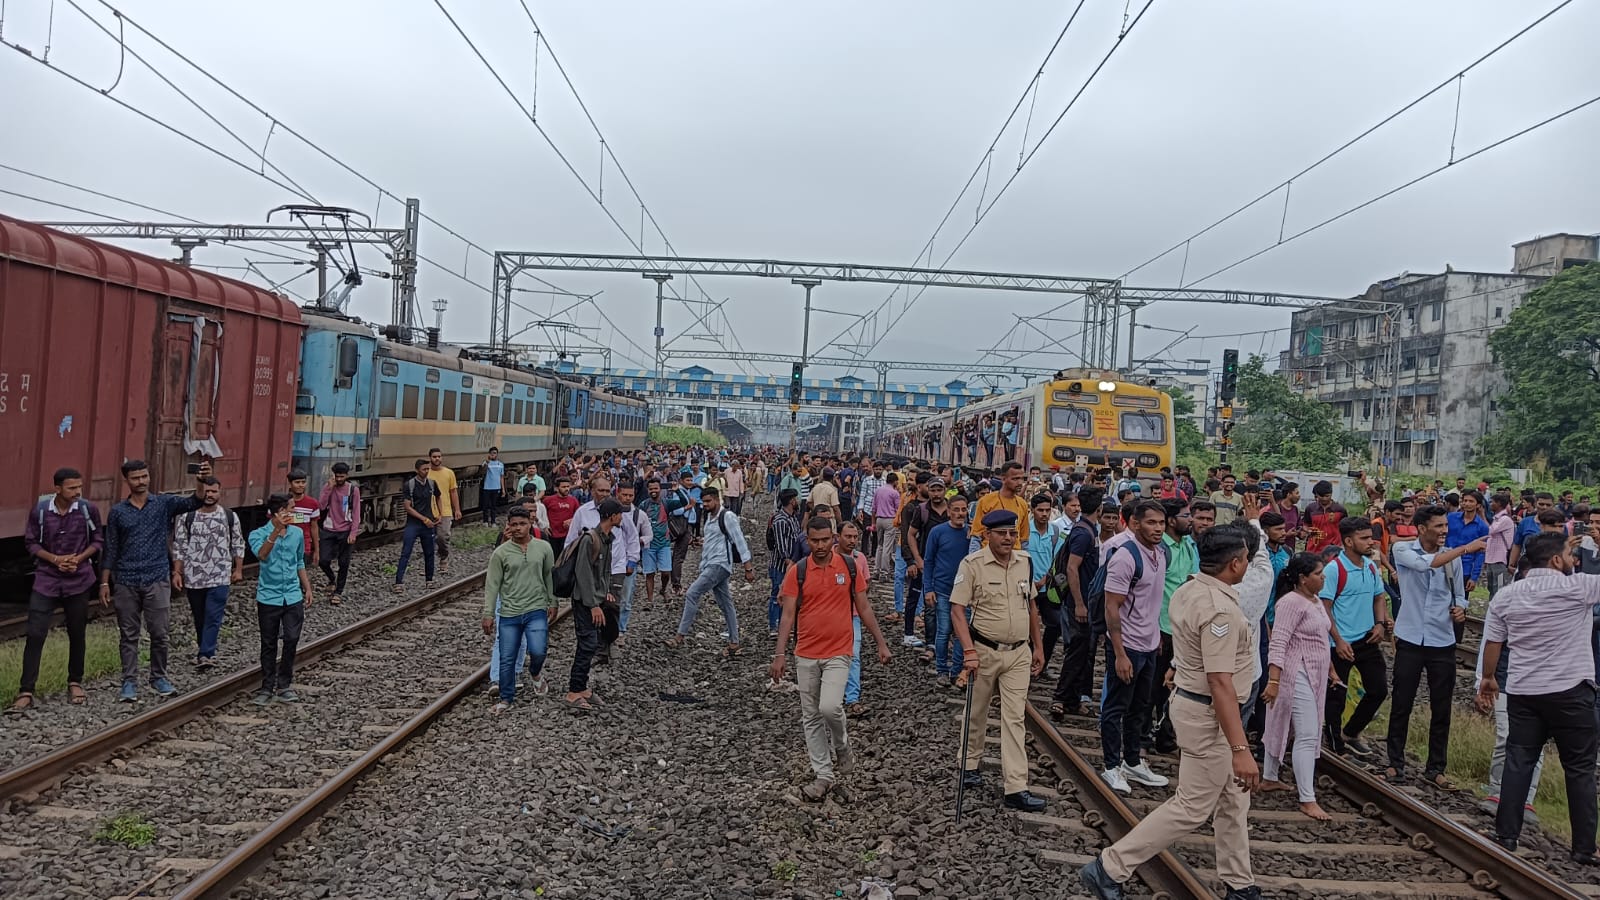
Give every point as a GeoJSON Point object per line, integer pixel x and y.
{"type": "Point", "coordinates": [1383, 841]}
{"type": "Point", "coordinates": [226, 782]}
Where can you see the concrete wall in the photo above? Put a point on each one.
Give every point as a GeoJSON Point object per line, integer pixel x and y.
{"type": "Point", "coordinates": [1476, 305]}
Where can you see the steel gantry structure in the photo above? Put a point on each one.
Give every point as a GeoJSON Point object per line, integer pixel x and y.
{"type": "Point", "coordinates": [401, 244]}
{"type": "Point", "coordinates": [1107, 301]}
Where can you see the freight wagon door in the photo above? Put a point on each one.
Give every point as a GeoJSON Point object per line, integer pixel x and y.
{"type": "Point", "coordinates": [187, 406]}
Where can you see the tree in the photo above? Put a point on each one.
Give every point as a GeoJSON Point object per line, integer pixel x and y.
{"type": "Point", "coordinates": [1550, 353]}
{"type": "Point", "coordinates": [1275, 428]}
{"type": "Point", "coordinates": [1191, 443]}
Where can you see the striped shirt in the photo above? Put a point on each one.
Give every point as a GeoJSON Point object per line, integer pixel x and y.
{"type": "Point", "coordinates": [1548, 617]}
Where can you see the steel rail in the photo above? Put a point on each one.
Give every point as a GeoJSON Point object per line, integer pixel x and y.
{"type": "Point", "coordinates": [1164, 873]}
{"type": "Point", "coordinates": [231, 871]}
{"type": "Point", "coordinates": [1489, 866]}
{"type": "Point", "coordinates": [42, 772]}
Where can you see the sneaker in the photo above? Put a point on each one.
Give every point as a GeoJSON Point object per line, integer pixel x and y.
{"type": "Point", "coordinates": [205, 662]}
{"type": "Point", "coordinates": [772, 632]}
{"type": "Point", "coordinates": [1253, 892]}
{"type": "Point", "coordinates": [1141, 774]}
{"type": "Point", "coordinates": [163, 687]}
{"type": "Point", "coordinates": [540, 686]}
{"type": "Point", "coordinates": [844, 762]}
{"type": "Point", "coordinates": [911, 640]}
{"type": "Point", "coordinates": [1114, 780]}
{"type": "Point", "coordinates": [130, 692]}
{"type": "Point", "coordinates": [1094, 879]}
{"type": "Point", "coordinates": [262, 698]}
{"type": "Point", "coordinates": [287, 695]}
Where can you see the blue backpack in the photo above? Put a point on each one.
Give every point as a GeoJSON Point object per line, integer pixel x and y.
{"type": "Point", "coordinates": [1095, 597]}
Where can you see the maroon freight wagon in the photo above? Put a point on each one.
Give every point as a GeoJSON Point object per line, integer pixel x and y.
{"type": "Point", "coordinates": [107, 355]}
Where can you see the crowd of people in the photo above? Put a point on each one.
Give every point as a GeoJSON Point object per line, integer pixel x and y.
{"type": "Point", "coordinates": [1184, 589]}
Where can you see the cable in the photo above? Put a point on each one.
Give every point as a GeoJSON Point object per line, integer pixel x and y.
{"type": "Point", "coordinates": [982, 166]}
{"type": "Point", "coordinates": [1283, 185]}
{"type": "Point", "coordinates": [1014, 175]}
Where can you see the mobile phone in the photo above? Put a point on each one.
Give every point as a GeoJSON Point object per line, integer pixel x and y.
{"type": "Point", "coordinates": [192, 468]}
{"type": "Point", "coordinates": [1352, 473]}
{"type": "Point", "coordinates": [1580, 527]}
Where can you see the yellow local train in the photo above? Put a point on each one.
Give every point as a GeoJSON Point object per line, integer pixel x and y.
{"type": "Point", "coordinates": [1082, 417]}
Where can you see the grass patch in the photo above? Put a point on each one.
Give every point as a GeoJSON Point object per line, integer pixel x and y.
{"type": "Point", "coordinates": [100, 659]}
{"type": "Point", "coordinates": [1471, 748]}
{"type": "Point", "coordinates": [128, 829]}
{"type": "Point", "coordinates": [785, 870]}
{"type": "Point", "coordinates": [474, 537]}
{"type": "Point", "coordinates": [390, 570]}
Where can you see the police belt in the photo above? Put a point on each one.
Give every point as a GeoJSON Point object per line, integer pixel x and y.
{"type": "Point", "coordinates": [996, 645]}
{"type": "Point", "coordinates": [1191, 695]}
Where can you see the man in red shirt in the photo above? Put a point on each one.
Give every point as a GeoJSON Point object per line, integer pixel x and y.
{"type": "Point", "coordinates": [1322, 519]}
{"type": "Point", "coordinates": [560, 508]}
{"type": "Point", "coordinates": [306, 515]}
{"type": "Point", "coordinates": [821, 605]}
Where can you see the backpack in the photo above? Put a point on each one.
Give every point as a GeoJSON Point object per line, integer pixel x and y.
{"type": "Point", "coordinates": [564, 577]}
{"type": "Point", "coordinates": [733, 549]}
{"type": "Point", "coordinates": [1055, 584]}
{"type": "Point", "coordinates": [800, 583]}
{"type": "Point", "coordinates": [81, 505]}
{"type": "Point", "coordinates": [188, 519]}
{"type": "Point", "coordinates": [772, 532]}
{"type": "Point", "coordinates": [1095, 596]}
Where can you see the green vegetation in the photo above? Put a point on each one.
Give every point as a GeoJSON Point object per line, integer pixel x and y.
{"type": "Point", "coordinates": [1275, 428]}
{"type": "Point", "coordinates": [1547, 353]}
{"type": "Point", "coordinates": [785, 870]}
{"type": "Point", "coordinates": [100, 659]}
{"type": "Point", "coordinates": [686, 436]}
{"type": "Point", "coordinates": [131, 830]}
{"type": "Point", "coordinates": [473, 537]}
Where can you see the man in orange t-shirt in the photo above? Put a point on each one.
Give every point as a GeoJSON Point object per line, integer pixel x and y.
{"type": "Point", "coordinates": [835, 591]}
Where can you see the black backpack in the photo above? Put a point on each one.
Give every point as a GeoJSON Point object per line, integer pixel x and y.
{"type": "Point", "coordinates": [772, 532]}
{"type": "Point", "coordinates": [733, 549]}
{"type": "Point", "coordinates": [800, 582]}
{"type": "Point", "coordinates": [564, 577]}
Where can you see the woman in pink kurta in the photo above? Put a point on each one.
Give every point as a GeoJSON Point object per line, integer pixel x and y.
{"type": "Point", "coordinates": [1297, 680]}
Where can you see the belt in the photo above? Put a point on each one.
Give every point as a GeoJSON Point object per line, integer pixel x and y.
{"type": "Point", "coordinates": [997, 645]}
{"type": "Point", "coordinates": [1191, 695]}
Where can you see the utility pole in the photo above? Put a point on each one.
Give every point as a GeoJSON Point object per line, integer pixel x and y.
{"type": "Point", "coordinates": [661, 279]}
{"type": "Point", "coordinates": [186, 247]}
{"type": "Point", "coordinates": [805, 349]}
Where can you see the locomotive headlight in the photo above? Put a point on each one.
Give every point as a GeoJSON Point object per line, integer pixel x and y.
{"type": "Point", "coordinates": [1108, 386]}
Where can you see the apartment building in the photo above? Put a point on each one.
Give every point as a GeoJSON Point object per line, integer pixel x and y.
{"type": "Point", "coordinates": [1433, 356]}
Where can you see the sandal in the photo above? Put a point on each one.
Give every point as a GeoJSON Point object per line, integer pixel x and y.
{"type": "Point", "coordinates": [816, 790]}
{"type": "Point", "coordinates": [399, 589]}
{"type": "Point", "coordinates": [1392, 776]}
{"type": "Point", "coordinates": [731, 651]}
{"type": "Point", "coordinates": [580, 706]}
{"type": "Point", "coordinates": [1444, 783]}
{"type": "Point", "coordinates": [76, 694]}
{"type": "Point", "coordinates": [24, 703]}
{"type": "Point", "coordinates": [674, 642]}
{"type": "Point", "coordinates": [1058, 711]}
{"type": "Point", "coordinates": [335, 600]}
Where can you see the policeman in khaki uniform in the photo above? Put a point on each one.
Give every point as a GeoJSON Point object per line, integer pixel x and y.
{"type": "Point", "coordinates": [1213, 659]}
{"type": "Point", "coordinates": [997, 583]}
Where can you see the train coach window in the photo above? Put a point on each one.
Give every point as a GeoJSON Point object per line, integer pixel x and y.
{"type": "Point", "coordinates": [1143, 428]}
{"type": "Point", "coordinates": [530, 391]}
{"type": "Point", "coordinates": [349, 358]}
{"type": "Point", "coordinates": [521, 417]}
{"type": "Point", "coordinates": [494, 409]}
{"type": "Point", "coordinates": [387, 392]}
{"type": "Point", "coordinates": [1070, 421]}
{"type": "Point", "coordinates": [390, 368]}
{"type": "Point", "coordinates": [481, 413]}
{"type": "Point", "coordinates": [430, 404]}
{"type": "Point", "coordinates": [506, 388]}
{"type": "Point", "coordinates": [447, 406]}
{"type": "Point", "coordinates": [431, 376]}
{"type": "Point", "coordinates": [408, 402]}
{"type": "Point", "coordinates": [466, 381]}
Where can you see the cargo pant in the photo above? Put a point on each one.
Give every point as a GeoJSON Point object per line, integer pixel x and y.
{"type": "Point", "coordinates": [153, 604]}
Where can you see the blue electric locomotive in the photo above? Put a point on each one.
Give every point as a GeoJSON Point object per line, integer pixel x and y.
{"type": "Point", "coordinates": [380, 404]}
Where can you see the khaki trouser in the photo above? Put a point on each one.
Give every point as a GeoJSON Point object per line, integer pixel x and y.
{"type": "Point", "coordinates": [1205, 786]}
{"type": "Point", "coordinates": [822, 709]}
{"type": "Point", "coordinates": [1007, 670]}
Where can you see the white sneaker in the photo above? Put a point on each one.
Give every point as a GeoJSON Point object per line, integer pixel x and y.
{"type": "Point", "coordinates": [1113, 779]}
{"type": "Point", "coordinates": [540, 686]}
{"type": "Point", "coordinates": [1141, 774]}
{"type": "Point", "coordinates": [911, 640]}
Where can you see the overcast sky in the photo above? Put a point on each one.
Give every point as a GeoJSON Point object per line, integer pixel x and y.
{"type": "Point", "coordinates": [840, 132]}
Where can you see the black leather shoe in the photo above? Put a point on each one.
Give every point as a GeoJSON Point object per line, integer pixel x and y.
{"type": "Point", "coordinates": [1245, 893]}
{"type": "Point", "coordinates": [1508, 844]}
{"type": "Point", "coordinates": [971, 778]}
{"type": "Point", "coordinates": [1024, 801]}
{"type": "Point", "coordinates": [1584, 859]}
{"type": "Point", "coordinates": [1098, 883]}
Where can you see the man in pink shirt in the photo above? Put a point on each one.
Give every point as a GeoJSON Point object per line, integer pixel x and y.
{"type": "Point", "coordinates": [1502, 532]}
{"type": "Point", "coordinates": [885, 504]}
{"type": "Point", "coordinates": [733, 493]}
{"type": "Point", "coordinates": [1136, 572]}
{"type": "Point", "coordinates": [341, 501]}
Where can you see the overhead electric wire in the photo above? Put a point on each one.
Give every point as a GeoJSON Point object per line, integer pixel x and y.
{"type": "Point", "coordinates": [1283, 185]}
{"type": "Point", "coordinates": [983, 163]}
{"type": "Point", "coordinates": [984, 212]}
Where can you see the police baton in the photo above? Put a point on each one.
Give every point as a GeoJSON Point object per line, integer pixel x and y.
{"type": "Point", "coordinates": [963, 680]}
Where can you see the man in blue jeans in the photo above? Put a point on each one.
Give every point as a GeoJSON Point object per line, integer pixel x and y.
{"type": "Point", "coordinates": [849, 540]}
{"type": "Point", "coordinates": [519, 576]}
{"type": "Point", "coordinates": [942, 553]}
{"type": "Point", "coordinates": [418, 495]}
{"type": "Point", "coordinates": [207, 556]}
{"type": "Point", "coordinates": [1136, 572]}
{"type": "Point", "coordinates": [788, 545]}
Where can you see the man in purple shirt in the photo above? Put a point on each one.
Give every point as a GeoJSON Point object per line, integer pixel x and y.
{"type": "Point", "coordinates": [1136, 574]}
{"type": "Point", "coordinates": [1550, 689]}
{"type": "Point", "coordinates": [62, 534]}
{"type": "Point", "coordinates": [1502, 532]}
